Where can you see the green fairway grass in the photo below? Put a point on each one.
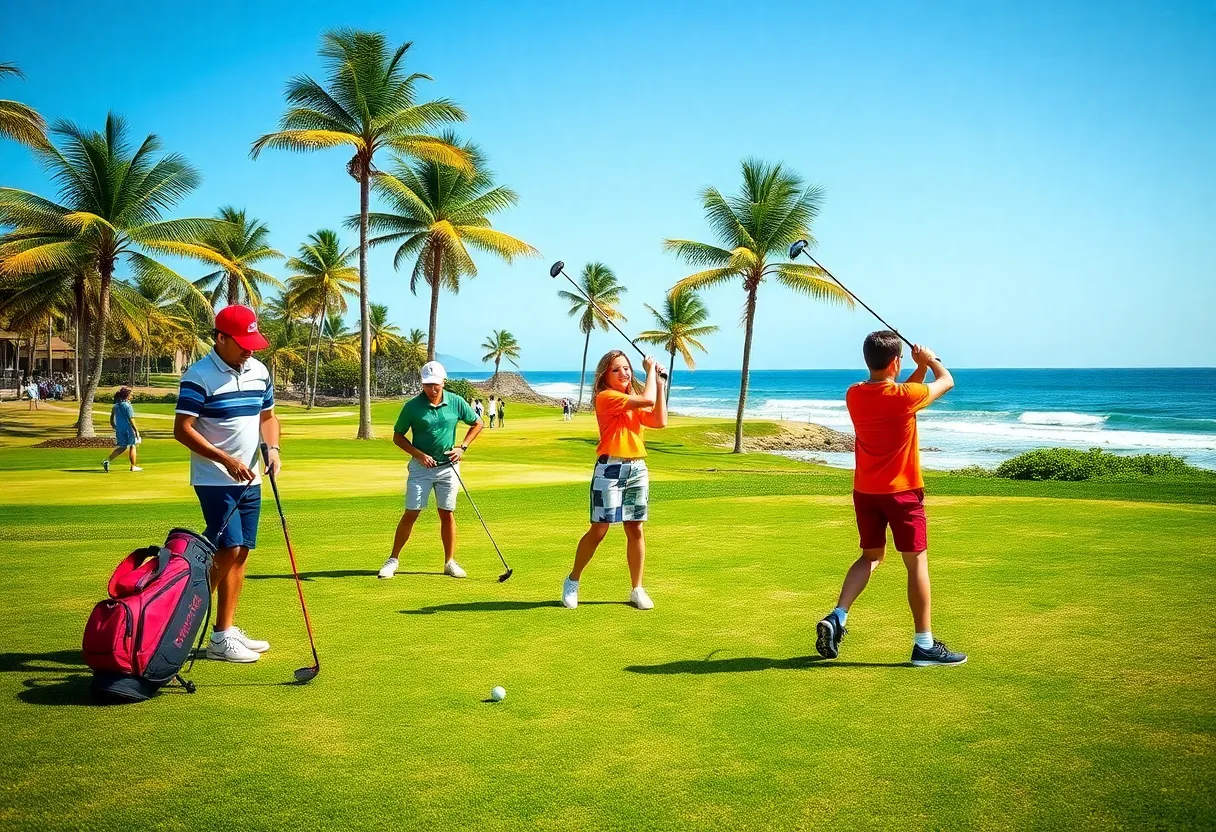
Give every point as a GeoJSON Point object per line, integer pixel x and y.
{"type": "Point", "coordinates": [1086, 608]}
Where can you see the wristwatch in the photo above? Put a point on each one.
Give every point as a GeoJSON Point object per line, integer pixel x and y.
{"type": "Point", "coordinates": [272, 447]}
{"type": "Point", "coordinates": [464, 447]}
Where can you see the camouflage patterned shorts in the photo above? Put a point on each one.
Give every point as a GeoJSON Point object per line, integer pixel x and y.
{"type": "Point", "coordinates": [620, 491]}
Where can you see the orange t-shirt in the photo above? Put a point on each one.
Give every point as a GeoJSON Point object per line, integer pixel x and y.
{"type": "Point", "coordinates": [884, 419]}
{"type": "Point", "coordinates": [620, 429]}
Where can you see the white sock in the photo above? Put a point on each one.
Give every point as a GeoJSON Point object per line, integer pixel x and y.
{"type": "Point", "coordinates": [924, 640]}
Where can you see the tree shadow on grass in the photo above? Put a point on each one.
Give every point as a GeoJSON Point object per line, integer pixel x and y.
{"type": "Point", "coordinates": [500, 606]}
{"type": "Point", "coordinates": [335, 573]}
{"type": "Point", "coordinates": [83, 470]}
{"type": "Point", "coordinates": [748, 664]}
{"type": "Point", "coordinates": [36, 662]}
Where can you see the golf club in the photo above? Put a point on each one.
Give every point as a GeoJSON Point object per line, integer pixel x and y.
{"type": "Point", "coordinates": [560, 268]}
{"type": "Point", "coordinates": [304, 674]}
{"type": "Point", "coordinates": [800, 247]}
{"type": "Point", "coordinates": [506, 574]}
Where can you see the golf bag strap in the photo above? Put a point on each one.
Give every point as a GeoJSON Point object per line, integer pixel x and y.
{"type": "Point", "coordinates": [202, 636]}
{"type": "Point", "coordinates": [162, 556]}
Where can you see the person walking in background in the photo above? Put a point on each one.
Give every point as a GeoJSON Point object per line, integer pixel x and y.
{"type": "Point", "coordinates": [225, 408]}
{"type": "Point", "coordinates": [888, 488]}
{"type": "Point", "coordinates": [31, 390]}
{"type": "Point", "coordinates": [620, 481]}
{"type": "Point", "coordinates": [479, 409]}
{"type": "Point", "coordinates": [502, 413]}
{"type": "Point", "coordinates": [430, 420]}
{"type": "Point", "coordinates": [126, 434]}
{"type": "Point", "coordinates": [492, 410]}
{"type": "Point", "coordinates": [565, 409]}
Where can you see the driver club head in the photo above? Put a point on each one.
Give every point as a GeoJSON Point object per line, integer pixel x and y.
{"type": "Point", "coordinates": [306, 674]}
{"type": "Point", "coordinates": [505, 575]}
{"type": "Point", "coordinates": [556, 268]}
{"type": "Point", "coordinates": [797, 248]}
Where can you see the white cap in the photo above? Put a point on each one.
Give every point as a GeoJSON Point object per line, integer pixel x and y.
{"type": "Point", "coordinates": [433, 373]}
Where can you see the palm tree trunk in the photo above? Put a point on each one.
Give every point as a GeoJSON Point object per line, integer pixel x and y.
{"type": "Point", "coordinates": [84, 426]}
{"type": "Point", "coordinates": [436, 262]}
{"type": "Point", "coordinates": [747, 360]}
{"type": "Point", "coordinates": [582, 378]}
{"type": "Point", "coordinates": [494, 381]}
{"type": "Point", "coordinates": [671, 376]}
{"type": "Point", "coordinates": [78, 323]}
{"type": "Point", "coordinates": [365, 335]}
{"type": "Point", "coordinates": [316, 370]}
{"type": "Point", "coordinates": [312, 328]}
{"type": "Point", "coordinates": [234, 290]}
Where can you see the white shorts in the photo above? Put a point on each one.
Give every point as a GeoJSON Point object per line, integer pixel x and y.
{"type": "Point", "coordinates": [422, 479]}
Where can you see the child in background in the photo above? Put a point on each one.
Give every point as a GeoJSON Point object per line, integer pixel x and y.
{"type": "Point", "coordinates": [126, 435]}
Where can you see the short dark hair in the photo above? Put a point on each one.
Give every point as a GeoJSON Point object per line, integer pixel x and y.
{"type": "Point", "coordinates": [881, 348]}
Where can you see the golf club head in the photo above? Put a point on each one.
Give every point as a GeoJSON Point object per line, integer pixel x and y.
{"type": "Point", "coordinates": [505, 575]}
{"type": "Point", "coordinates": [797, 248]}
{"type": "Point", "coordinates": [556, 268]}
{"type": "Point", "coordinates": [306, 674]}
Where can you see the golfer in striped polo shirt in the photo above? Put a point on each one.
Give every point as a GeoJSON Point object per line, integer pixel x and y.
{"type": "Point", "coordinates": [225, 408]}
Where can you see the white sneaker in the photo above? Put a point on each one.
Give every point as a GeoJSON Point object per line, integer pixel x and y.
{"type": "Point", "coordinates": [640, 599]}
{"type": "Point", "coordinates": [389, 569]}
{"type": "Point", "coordinates": [254, 644]}
{"type": "Point", "coordinates": [105, 465]}
{"type": "Point", "coordinates": [136, 468]}
{"type": "Point", "coordinates": [230, 649]}
{"type": "Point", "coordinates": [569, 593]}
{"type": "Point", "coordinates": [452, 569]}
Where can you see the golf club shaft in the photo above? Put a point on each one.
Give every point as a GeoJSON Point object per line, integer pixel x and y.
{"type": "Point", "coordinates": [596, 307]}
{"type": "Point", "coordinates": [295, 572]}
{"type": "Point", "coordinates": [456, 471]}
{"type": "Point", "coordinates": [822, 268]}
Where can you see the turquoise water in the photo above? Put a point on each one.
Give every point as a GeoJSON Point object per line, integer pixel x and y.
{"type": "Point", "coordinates": [990, 416]}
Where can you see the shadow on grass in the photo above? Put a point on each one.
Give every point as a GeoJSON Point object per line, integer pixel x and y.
{"type": "Point", "coordinates": [334, 573]}
{"type": "Point", "coordinates": [748, 664]}
{"type": "Point", "coordinates": [83, 470]}
{"type": "Point", "coordinates": [36, 662]}
{"type": "Point", "coordinates": [500, 606]}
{"type": "Point", "coordinates": [65, 690]}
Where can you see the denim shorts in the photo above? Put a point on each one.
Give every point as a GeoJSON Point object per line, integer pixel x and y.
{"type": "Point", "coordinates": [217, 502]}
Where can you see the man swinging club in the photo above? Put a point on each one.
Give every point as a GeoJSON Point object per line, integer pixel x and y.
{"type": "Point", "coordinates": [430, 418]}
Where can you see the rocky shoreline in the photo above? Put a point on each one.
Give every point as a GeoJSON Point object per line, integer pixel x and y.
{"type": "Point", "coordinates": [793, 436]}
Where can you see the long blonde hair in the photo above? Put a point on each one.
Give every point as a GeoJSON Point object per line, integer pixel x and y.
{"type": "Point", "coordinates": [601, 372]}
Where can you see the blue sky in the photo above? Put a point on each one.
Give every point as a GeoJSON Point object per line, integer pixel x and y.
{"type": "Point", "coordinates": [1016, 185]}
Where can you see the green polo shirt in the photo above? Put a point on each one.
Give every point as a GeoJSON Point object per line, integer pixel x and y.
{"type": "Point", "coordinates": [434, 426]}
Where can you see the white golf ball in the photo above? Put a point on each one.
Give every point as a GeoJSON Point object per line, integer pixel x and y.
{"type": "Point", "coordinates": [498, 694]}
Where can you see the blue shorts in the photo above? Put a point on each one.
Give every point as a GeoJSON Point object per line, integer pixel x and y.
{"type": "Point", "coordinates": [217, 502]}
{"type": "Point", "coordinates": [124, 438]}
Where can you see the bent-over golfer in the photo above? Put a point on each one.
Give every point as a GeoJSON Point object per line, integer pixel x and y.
{"type": "Point", "coordinates": [225, 408]}
{"type": "Point", "coordinates": [430, 418]}
{"type": "Point", "coordinates": [888, 489]}
{"type": "Point", "coordinates": [620, 481]}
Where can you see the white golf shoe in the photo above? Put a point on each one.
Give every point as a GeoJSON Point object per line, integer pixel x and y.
{"type": "Point", "coordinates": [640, 599]}
{"type": "Point", "coordinates": [569, 593]}
{"type": "Point", "coordinates": [452, 569]}
{"type": "Point", "coordinates": [136, 469]}
{"type": "Point", "coordinates": [254, 644]}
{"type": "Point", "coordinates": [389, 569]}
{"type": "Point", "coordinates": [229, 649]}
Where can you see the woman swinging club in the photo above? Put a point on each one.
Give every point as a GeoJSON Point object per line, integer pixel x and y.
{"type": "Point", "coordinates": [620, 485]}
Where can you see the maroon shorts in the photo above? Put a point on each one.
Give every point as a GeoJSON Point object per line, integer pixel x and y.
{"type": "Point", "coordinates": [903, 512]}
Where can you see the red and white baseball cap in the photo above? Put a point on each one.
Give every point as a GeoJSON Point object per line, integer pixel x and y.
{"type": "Point", "coordinates": [240, 323]}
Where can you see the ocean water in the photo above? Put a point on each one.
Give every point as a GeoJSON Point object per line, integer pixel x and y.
{"type": "Point", "coordinates": [990, 415]}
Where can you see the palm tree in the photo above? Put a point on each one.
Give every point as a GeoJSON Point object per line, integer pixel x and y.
{"type": "Point", "coordinates": [680, 324]}
{"type": "Point", "coordinates": [414, 352]}
{"type": "Point", "coordinates": [499, 345]}
{"type": "Point", "coordinates": [239, 243]}
{"type": "Point", "coordinates": [17, 121]}
{"type": "Point", "coordinates": [370, 103]}
{"type": "Point", "coordinates": [386, 336]}
{"type": "Point", "coordinates": [599, 283]}
{"type": "Point", "coordinates": [322, 280]}
{"type": "Point", "coordinates": [112, 200]}
{"type": "Point", "coordinates": [437, 213]}
{"type": "Point", "coordinates": [773, 211]}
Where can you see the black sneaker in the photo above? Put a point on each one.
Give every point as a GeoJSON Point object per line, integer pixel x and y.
{"type": "Point", "coordinates": [938, 654]}
{"type": "Point", "coordinates": [829, 633]}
